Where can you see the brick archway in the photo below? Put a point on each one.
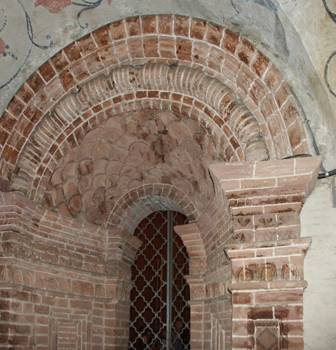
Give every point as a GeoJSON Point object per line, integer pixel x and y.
{"type": "Point", "coordinates": [190, 42]}
{"type": "Point", "coordinates": [120, 225]}
{"type": "Point", "coordinates": [142, 201]}
{"type": "Point", "coordinates": [265, 199]}
{"type": "Point", "coordinates": [191, 75]}
{"type": "Point", "coordinates": [34, 183]}
{"type": "Point", "coordinates": [209, 100]}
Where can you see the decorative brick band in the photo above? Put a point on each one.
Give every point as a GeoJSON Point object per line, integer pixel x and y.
{"type": "Point", "coordinates": [267, 294]}
{"type": "Point", "coordinates": [124, 87]}
{"type": "Point", "coordinates": [176, 39]}
{"type": "Point", "coordinates": [34, 174]}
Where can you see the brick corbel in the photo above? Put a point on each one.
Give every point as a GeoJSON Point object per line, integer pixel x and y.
{"type": "Point", "coordinates": [191, 237]}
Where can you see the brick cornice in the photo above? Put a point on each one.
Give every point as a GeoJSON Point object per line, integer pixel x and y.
{"type": "Point", "coordinates": [272, 248]}
{"type": "Point", "coordinates": [265, 198]}
{"type": "Point", "coordinates": [276, 285]}
{"type": "Point", "coordinates": [250, 179]}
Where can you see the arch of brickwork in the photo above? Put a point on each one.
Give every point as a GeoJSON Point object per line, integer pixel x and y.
{"type": "Point", "coordinates": [166, 40]}
{"type": "Point", "coordinates": [33, 177]}
{"type": "Point", "coordinates": [180, 89]}
{"type": "Point", "coordinates": [142, 201]}
{"type": "Point", "coordinates": [194, 69]}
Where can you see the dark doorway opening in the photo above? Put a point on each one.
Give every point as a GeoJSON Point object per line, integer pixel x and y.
{"type": "Point", "coordinates": [160, 312]}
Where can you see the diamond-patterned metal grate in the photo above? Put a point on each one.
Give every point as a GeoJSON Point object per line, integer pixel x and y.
{"type": "Point", "coordinates": [160, 313]}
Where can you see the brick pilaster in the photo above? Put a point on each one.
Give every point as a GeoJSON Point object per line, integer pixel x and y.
{"type": "Point", "coordinates": [121, 251]}
{"type": "Point", "coordinates": [191, 237]}
{"type": "Point", "coordinates": [266, 250]}
{"type": "Point", "coordinates": [267, 294]}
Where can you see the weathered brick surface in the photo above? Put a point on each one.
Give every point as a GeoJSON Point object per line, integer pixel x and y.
{"type": "Point", "coordinates": [103, 178]}
{"type": "Point", "coordinates": [64, 282]}
{"type": "Point", "coordinates": [56, 285]}
{"type": "Point", "coordinates": [267, 258]}
{"type": "Point", "coordinates": [239, 128]}
{"type": "Point", "coordinates": [73, 280]}
{"type": "Point", "coordinates": [186, 41]}
{"type": "Point", "coordinates": [265, 198]}
{"type": "Point", "coordinates": [209, 273]}
{"type": "Point", "coordinates": [67, 286]}
{"type": "Point", "coordinates": [274, 307]}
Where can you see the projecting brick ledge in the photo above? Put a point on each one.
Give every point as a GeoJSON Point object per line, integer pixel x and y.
{"type": "Point", "coordinates": [277, 285]}
{"type": "Point", "coordinates": [246, 179]}
{"type": "Point", "coordinates": [304, 242]}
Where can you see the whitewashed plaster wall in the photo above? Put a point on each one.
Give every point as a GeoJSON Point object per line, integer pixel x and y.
{"type": "Point", "coordinates": [315, 22]}
{"type": "Point", "coordinates": [319, 222]}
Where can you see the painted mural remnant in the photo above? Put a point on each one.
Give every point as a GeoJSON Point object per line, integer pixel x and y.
{"type": "Point", "coordinates": [21, 50]}
{"type": "Point", "coordinates": [54, 6]}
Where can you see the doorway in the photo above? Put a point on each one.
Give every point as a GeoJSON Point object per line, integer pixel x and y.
{"type": "Point", "coordinates": [160, 312]}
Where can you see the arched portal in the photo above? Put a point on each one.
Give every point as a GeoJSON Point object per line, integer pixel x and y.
{"type": "Point", "coordinates": [160, 311]}
{"type": "Point", "coordinates": [127, 121]}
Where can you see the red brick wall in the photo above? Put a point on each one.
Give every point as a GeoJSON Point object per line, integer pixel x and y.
{"type": "Point", "coordinates": [266, 251]}
{"type": "Point", "coordinates": [211, 308]}
{"type": "Point", "coordinates": [54, 282]}
{"type": "Point", "coordinates": [63, 279]}
{"type": "Point", "coordinates": [75, 76]}
{"type": "Point", "coordinates": [216, 230]}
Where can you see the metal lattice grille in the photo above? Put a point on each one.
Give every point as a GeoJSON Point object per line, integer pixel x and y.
{"type": "Point", "coordinates": [160, 313]}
